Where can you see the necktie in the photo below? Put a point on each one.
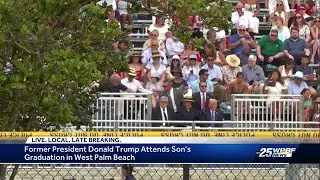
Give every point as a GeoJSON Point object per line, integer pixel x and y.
{"type": "Point", "coordinates": [165, 115]}
{"type": "Point", "coordinates": [212, 118]}
{"type": "Point", "coordinates": [203, 104]}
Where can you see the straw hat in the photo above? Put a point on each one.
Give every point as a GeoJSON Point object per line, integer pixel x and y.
{"type": "Point", "coordinates": [155, 54]}
{"type": "Point", "coordinates": [132, 72]}
{"type": "Point", "coordinates": [135, 54]}
{"type": "Point", "coordinates": [188, 99]}
{"type": "Point", "coordinates": [233, 60]}
{"type": "Point", "coordinates": [298, 75]}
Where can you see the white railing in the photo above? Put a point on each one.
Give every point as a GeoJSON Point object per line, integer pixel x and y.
{"type": "Point", "coordinates": [273, 112]}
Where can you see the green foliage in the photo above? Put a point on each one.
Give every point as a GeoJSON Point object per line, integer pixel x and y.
{"type": "Point", "coordinates": [49, 54]}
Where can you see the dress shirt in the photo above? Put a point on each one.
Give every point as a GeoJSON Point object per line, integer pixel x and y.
{"type": "Point", "coordinates": [134, 85]}
{"type": "Point", "coordinates": [164, 112]}
{"type": "Point", "coordinates": [190, 77]}
{"type": "Point", "coordinates": [203, 99]}
{"type": "Point", "coordinates": [253, 73]}
{"type": "Point", "coordinates": [174, 47]}
{"type": "Point", "coordinates": [173, 101]}
{"type": "Point", "coordinates": [294, 89]}
{"type": "Point", "coordinates": [147, 57]}
{"type": "Point", "coordinates": [245, 19]}
{"type": "Point", "coordinates": [214, 72]}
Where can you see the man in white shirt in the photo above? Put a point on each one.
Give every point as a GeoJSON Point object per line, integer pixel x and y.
{"type": "Point", "coordinates": [133, 84]}
{"type": "Point", "coordinates": [147, 54]}
{"type": "Point", "coordinates": [173, 45]}
{"type": "Point", "coordinates": [242, 17]}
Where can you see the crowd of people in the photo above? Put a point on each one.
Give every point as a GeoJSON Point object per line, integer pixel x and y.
{"type": "Point", "coordinates": [187, 83]}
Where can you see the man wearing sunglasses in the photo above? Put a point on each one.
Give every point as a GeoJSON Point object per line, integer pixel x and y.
{"type": "Point", "coordinates": [241, 44]}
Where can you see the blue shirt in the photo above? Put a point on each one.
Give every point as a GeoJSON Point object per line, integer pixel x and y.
{"type": "Point", "coordinates": [237, 50]}
{"type": "Point", "coordinates": [294, 89]}
{"type": "Point", "coordinates": [195, 86]}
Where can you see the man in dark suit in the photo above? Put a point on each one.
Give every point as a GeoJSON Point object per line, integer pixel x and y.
{"type": "Point", "coordinates": [212, 114]}
{"type": "Point", "coordinates": [163, 113]}
{"type": "Point", "coordinates": [201, 99]}
{"type": "Point", "coordinates": [175, 96]}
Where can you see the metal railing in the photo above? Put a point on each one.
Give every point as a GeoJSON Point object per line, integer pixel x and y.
{"type": "Point", "coordinates": [132, 112]}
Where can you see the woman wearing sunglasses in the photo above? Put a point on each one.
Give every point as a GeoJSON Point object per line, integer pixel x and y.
{"type": "Point", "coordinates": [301, 24]}
{"type": "Point", "coordinates": [279, 12]}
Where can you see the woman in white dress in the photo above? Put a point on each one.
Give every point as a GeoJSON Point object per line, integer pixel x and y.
{"type": "Point", "coordinates": [156, 68]}
{"type": "Point", "coordinates": [275, 86]}
{"type": "Point", "coordinates": [286, 71]}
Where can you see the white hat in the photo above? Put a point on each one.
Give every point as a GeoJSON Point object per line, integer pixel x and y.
{"type": "Point", "coordinates": [221, 34]}
{"type": "Point", "coordinates": [175, 57]}
{"type": "Point", "coordinates": [298, 74]}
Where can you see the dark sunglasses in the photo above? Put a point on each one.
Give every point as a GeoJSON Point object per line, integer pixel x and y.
{"type": "Point", "coordinates": [242, 30]}
{"type": "Point", "coordinates": [317, 20]}
{"type": "Point", "coordinates": [210, 60]}
{"type": "Point", "coordinates": [206, 74]}
{"type": "Point", "coordinates": [298, 17]}
{"type": "Point", "coordinates": [164, 102]}
{"type": "Point", "coordinates": [154, 45]}
{"type": "Point", "coordinates": [279, 4]}
{"type": "Point", "coordinates": [273, 35]}
{"type": "Point", "coordinates": [193, 59]}
{"type": "Point", "coordinates": [203, 86]}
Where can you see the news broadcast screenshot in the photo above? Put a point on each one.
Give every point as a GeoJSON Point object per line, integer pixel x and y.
{"type": "Point", "coordinates": [159, 90]}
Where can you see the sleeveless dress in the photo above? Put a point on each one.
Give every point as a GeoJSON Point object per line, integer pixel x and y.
{"type": "Point", "coordinates": [284, 74]}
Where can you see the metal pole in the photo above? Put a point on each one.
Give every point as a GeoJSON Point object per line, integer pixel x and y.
{"type": "Point", "coordinates": [186, 171]}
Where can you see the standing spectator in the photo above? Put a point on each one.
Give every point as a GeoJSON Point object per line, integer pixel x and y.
{"type": "Point", "coordinates": [307, 72]}
{"type": "Point", "coordinates": [203, 76]}
{"type": "Point", "coordinates": [297, 84]}
{"type": "Point", "coordinates": [154, 36]}
{"type": "Point", "coordinates": [187, 112]}
{"type": "Point", "coordinates": [173, 45]}
{"type": "Point", "coordinates": [270, 50]}
{"type": "Point", "coordinates": [160, 26]}
{"type": "Point", "coordinates": [241, 44]}
{"type": "Point", "coordinates": [242, 18]}
{"type": "Point", "coordinates": [214, 71]}
{"type": "Point", "coordinates": [175, 63]}
{"type": "Point", "coordinates": [191, 69]}
{"type": "Point", "coordinates": [136, 64]}
{"type": "Point", "coordinates": [163, 113]}
{"type": "Point", "coordinates": [115, 85]}
{"type": "Point", "coordinates": [231, 70]}
{"type": "Point", "coordinates": [301, 24]}
{"type": "Point", "coordinates": [122, 46]}
{"type": "Point", "coordinates": [295, 47]}
{"type": "Point", "coordinates": [147, 54]}
{"type": "Point", "coordinates": [286, 71]}
{"type": "Point", "coordinates": [283, 31]}
{"type": "Point", "coordinates": [156, 67]}
{"type": "Point", "coordinates": [212, 114]}
{"type": "Point", "coordinates": [279, 13]}
{"type": "Point", "coordinates": [272, 4]}
{"type": "Point", "coordinates": [132, 83]}
{"type": "Point", "coordinates": [155, 87]}
{"type": "Point", "coordinates": [253, 74]}
{"type": "Point", "coordinates": [175, 95]}
{"type": "Point", "coordinates": [201, 98]}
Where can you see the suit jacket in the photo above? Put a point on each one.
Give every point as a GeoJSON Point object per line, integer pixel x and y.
{"type": "Point", "coordinates": [178, 97]}
{"type": "Point", "coordinates": [206, 116]}
{"type": "Point", "coordinates": [184, 115]}
{"type": "Point", "coordinates": [197, 98]}
{"type": "Point", "coordinates": [156, 115]}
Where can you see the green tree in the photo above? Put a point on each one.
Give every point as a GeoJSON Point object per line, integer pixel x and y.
{"type": "Point", "coordinates": [49, 53]}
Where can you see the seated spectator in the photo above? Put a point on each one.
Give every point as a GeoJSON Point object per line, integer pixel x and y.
{"type": "Point", "coordinates": [178, 82]}
{"type": "Point", "coordinates": [153, 36]}
{"type": "Point", "coordinates": [189, 50]}
{"type": "Point", "coordinates": [147, 54]}
{"type": "Point", "coordinates": [307, 101]}
{"type": "Point", "coordinates": [238, 86]}
{"type": "Point", "coordinates": [175, 63]}
{"type": "Point", "coordinates": [279, 13]}
{"type": "Point", "coordinates": [122, 46]}
{"type": "Point", "coordinates": [212, 114]}
{"type": "Point", "coordinates": [215, 74]}
{"type": "Point", "coordinates": [114, 86]}
{"type": "Point", "coordinates": [310, 8]}
{"type": "Point", "coordinates": [196, 33]}
{"type": "Point", "coordinates": [286, 71]}
{"type": "Point", "coordinates": [315, 112]}
{"type": "Point", "coordinates": [156, 67]}
{"type": "Point", "coordinates": [242, 18]}
{"type": "Point", "coordinates": [283, 31]}
{"type": "Point", "coordinates": [187, 112]}
{"type": "Point", "coordinates": [241, 44]}
{"type": "Point", "coordinates": [161, 27]}
{"type": "Point", "coordinates": [253, 74]}
{"type": "Point", "coordinates": [112, 19]}
{"type": "Point", "coordinates": [201, 98]}
{"type": "Point", "coordinates": [155, 87]}
{"type": "Point", "coordinates": [191, 69]}
{"type": "Point", "coordinates": [304, 30]}
{"type": "Point", "coordinates": [295, 47]}
{"type": "Point", "coordinates": [175, 95]}
{"type": "Point", "coordinates": [307, 72]}
{"type": "Point", "coordinates": [297, 84]}
{"type": "Point", "coordinates": [315, 34]}
{"type": "Point", "coordinates": [275, 86]}
{"type": "Point", "coordinates": [203, 76]}
{"type": "Point", "coordinates": [231, 70]}
{"type": "Point", "coordinates": [163, 113]}
{"type": "Point", "coordinates": [210, 50]}
{"type": "Point", "coordinates": [253, 6]}
{"type": "Point", "coordinates": [272, 4]}
{"type": "Point", "coordinates": [136, 64]}
{"type": "Point", "coordinates": [173, 45]}
{"type": "Point", "coordinates": [270, 50]}
{"type": "Point", "coordinates": [302, 11]}
{"type": "Point", "coordinates": [218, 39]}
{"type": "Point", "coordinates": [125, 17]}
